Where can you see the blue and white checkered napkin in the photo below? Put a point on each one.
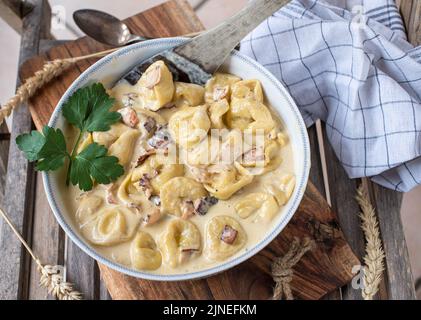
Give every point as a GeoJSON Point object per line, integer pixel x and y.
{"type": "Point", "coordinates": [348, 63]}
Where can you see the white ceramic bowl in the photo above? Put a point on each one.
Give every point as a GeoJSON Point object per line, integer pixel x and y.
{"type": "Point", "coordinates": [111, 68]}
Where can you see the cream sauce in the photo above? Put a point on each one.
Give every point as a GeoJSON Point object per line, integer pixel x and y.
{"type": "Point", "coordinates": [255, 231]}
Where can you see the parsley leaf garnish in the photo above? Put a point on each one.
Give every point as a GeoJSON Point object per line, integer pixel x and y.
{"type": "Point", "coordinates": [53, 152]}
{"type": "Point", "coordinates": [31, 144]}
{"type": "Point", "coordinates": [88, 109]}
{"type": "Point", "coordinates": [48, 148]}
{"type": "Point", "coordinates": [94, 162]}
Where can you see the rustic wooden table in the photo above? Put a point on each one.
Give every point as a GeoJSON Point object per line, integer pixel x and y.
{"type": "Point", "coordinates": [22, 195]}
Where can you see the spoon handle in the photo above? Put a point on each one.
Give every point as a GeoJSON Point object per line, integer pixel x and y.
{"type": "Point", "coordinates": [210, 49]}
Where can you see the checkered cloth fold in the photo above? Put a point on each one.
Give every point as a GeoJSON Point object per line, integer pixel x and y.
{"type": "Point", "coordinates": [348, 63]}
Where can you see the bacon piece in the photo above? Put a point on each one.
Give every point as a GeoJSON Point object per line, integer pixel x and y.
{"type": "Point", "coordinates": [202, 205]}
{"type": "Point", "coordinates": [129, 117]}
{"type": "Point", "coordinates": [161, 138]}
{"type": "Point", "coordinates": [153, 77]}
{"type": "Point", "coordinates": [149, 124]}
{"type": "Point", "coordinates": [186, 254]}
{"type": "Point", "coordinates": [110, 195]}
{"type": "Point", "coordinates": [141, 159]}
{"type": "Point", "coordinates": [152, 217]}
{"type": "Point", "coordinates": [145, 184]}
{"type": "Point", "coordinates": [229, 234]}
{"type": "Point", "coordinates": [189, 250]}
{"type": "Point", "coordinates": [187, 209]}
{"type": "Point", "coordinates": [111, 199]}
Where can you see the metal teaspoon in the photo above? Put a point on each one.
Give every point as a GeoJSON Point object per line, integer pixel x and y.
{"type": "Point", "coordinates": [105, 28]}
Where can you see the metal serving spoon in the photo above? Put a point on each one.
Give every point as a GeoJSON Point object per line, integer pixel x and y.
{"type": "Point", "coordinates": [105, 28]}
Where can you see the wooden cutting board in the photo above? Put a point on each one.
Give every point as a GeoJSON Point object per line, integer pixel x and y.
{"type": "Point", "coordinates": [320, 271]}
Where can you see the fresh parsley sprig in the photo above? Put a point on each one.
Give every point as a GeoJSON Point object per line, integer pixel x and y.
{"type": "Point", "coordinates": [88, 109]}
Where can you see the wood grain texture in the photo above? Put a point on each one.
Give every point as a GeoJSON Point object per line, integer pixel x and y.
{"type": "Point", "coordinates": [343, 202]}
{"type": "Point", "coordinates": [319, 272]}
{"type": "Point", "coordinates": [411, 14]}
{"type": "Point", "coordinates": [81, 270]}
{"type": "Point", "coordinates": [20, 177]}
{"type": "Point", "coordinates": [316, 176]}
{"type": "Point", "coordinates": [4, 151]}
{"type": "Point", "coordinates": [10, 17]}
{"type": "Point", "coordinates": [399, 284]}
{"type": "Point", "coordinates": [47, 241]}
{"type": "Point", "coordinates": [19, 7]}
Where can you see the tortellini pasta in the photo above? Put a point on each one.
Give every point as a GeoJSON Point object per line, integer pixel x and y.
{"type": "Point", "coordinates": [176, 191]}
{"type": "Point", "coordinates": [189, 126]}
{"type": "Point", "coordinates": [123, 147]}
{"type": "Point", "coordinates": [159, 169]}
{"type": "Point", "coordinates": [260, 160]}
{"type": "Point", "coordinates": [247, 110]}
{"type": "Point", "coordinates": [246, 114]}
{"type": "Point", "coordinates": [88, 209]}
{"type": "Point", "coordinates": [217, 110]}
{"type": "Point", "coordinates": [144, 254]}
{"type": "Point", "coordinates": [149, 121]}
{"type": "Point", "coordinates": [113, 225]}
{"type": "Point", "coordinates": [224, 237]}
{"type": "Point", "coordinates": [282, 138]}
{"type": "Point", "coordinates": [282, 190]}
{"type": "Point", "coordinates": [247, 89]}
{"type": "Point", "coordinates": [188, 94]}
{"type": "Point", "coordinates": [180, 242]}
{"type": "Point", "coordinates": [156, 86]}
{"type": "Point", "coordinates": [219, 86]}
{"type": "Point", "coordinates": [261, 203]}
{"type": "Point", "coordinates": [224, 184]}
{"type": "Point", "coordinates": [106, 138]}
{"type": "Point", "coordinates": [203, 153]}
{"type": "Point", "coordinates": [129, 194]}
{"type": "Point", "coordinates": [233, 146]}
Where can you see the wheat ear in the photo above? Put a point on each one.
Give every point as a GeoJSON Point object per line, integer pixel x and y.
{"type": "Point", "coordinates": [49, 71]}
{"type": "Point", "coordinates": [51, 277]}
{"type": "Point", "coordinates": [374, 253]}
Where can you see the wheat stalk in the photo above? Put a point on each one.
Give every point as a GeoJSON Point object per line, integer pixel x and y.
{"type": "Point", "coordinates": [49, 71]}
{"type": "Point", "coordinates": [51, 277]}
{"type": "Point", "coordinates": [374, 253]}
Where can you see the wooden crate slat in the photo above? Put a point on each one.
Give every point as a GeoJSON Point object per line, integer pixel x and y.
{"type": "Point", "coordinates": [80, 270]}
{"type": "Point", "coordinates": [316, 176]}
{"type": "Point", "coordinates": [400, 284]}
{"type": "Point", "coordinates": [47, 44]}
{"type": "Point", "coordinates": [411, 14]}
{"type": "Point", "coordinates": [19, 180]}
{"type": "Point", "coordinates": [4, 152]}
{"type": "Point", "coordinates": [47, 241]}
{"type": "Point", "coordinates": [343, 191]}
